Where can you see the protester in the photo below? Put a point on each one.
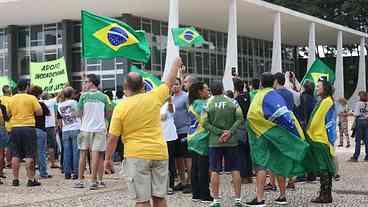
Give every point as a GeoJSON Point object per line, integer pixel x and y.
{"type": "Point", "coordinates": [41, 134]}
{"type": "Point", "coordinates": [276, 139]}
{"type": "Point", "coordinates": [5, 98]}
{"type": "Point", "coordinates": [343, 114]}
{"type": "Point", "coordinates": [50, 128]}
{"type": "Point", "coordinates": [170, 136]}
{"type": "Point", "coordinates": [137, 120]}
{"type": "Point", "coordinates": [229, 94]}
{"type": "Point", "coordinates": [287, 95]}
{"type": "Point", "coordinates": [94, 107]}
{"type": "Point", "coordinates": [361, 128]}
{"type": "Point", "coordinates": [198, 143]}
{"type": "Point", "coordinates": [22, 108]}
{"type": "Point", "coordinates": [182, 123]}
{"type": "Point", "coordinates": [187, 82]}
{"type": "Point", "coordinates": [243, 100]}
{"type": "Point", "coordinates": [321, 133]}
{"type": "Point", "coordinates": [307, 103]}
{"type": "Point", "coordinates": [254, 88]}
{"type": "Point", "coordinates": [222, 119]}
{"type": "Point", "coordinates": [4, 139]}
{"type": "Point", "coordinates": [67, 112]}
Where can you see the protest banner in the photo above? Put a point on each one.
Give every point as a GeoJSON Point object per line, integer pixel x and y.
{"type": "Point", "coordinates": [51, 76]}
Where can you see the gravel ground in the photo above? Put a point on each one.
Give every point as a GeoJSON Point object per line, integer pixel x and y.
{"type": "Point", "coordinates": [350, 191]}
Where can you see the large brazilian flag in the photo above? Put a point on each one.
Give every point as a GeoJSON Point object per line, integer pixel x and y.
{"type": "Point", "coordinates": [321, 135]}
{"type": "Point", "coordinates": [276, 138]}
{"type": "Point", "coordinates": [104, 37]}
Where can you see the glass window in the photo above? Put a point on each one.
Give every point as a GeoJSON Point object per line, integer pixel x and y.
{"type": "Point", "coordinates": [206, 62]}
{"type": "Point", "coordinates": [49, 57]}
{"type": "Point", "coordinates": [213, 65]}
{"type": "Point", "coordinates": [36, 32]}
{"type": "Point", "coordinates": [199, 62]}
{"type": "Point", "coordinates": [220, 41]}
{"type": "Point", "coordinates": [155, 27]}
{"type": "Point", "coordinates": [2, 40]}
{"type": "Point", "coordinates": [76, 62]}
{"type": "Point", "coordinates": [108, 84]}
{"type": "Point", "coordinates": [93, 67]}
{"type": "Point", "coordinates": [220, 64]}
{"type": "Point", "coordinates": [108, 64]}
{"type": "Point", "coordinates": [156, 56]}
{"type": "Point", "coordinates": [50, 36]}
{"type": "Point", "coordinates": [183, 55]}
{"type": "Point", "coordinates": [76, 33]}
{"type": "Point", "coordinates": [24, 64]}
{"type": "Point", "coordinates": [213, 38]}
{"type": "Point", "coordinates": [250, 47]}
{"type": "Point", "coordinates": [23, 38]}
{"type": "Point", "coordinates": [36, 56]}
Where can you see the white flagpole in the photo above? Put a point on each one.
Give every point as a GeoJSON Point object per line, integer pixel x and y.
{"type": "Point", "coordinates": [232, 48]}
{"type": "Point", "coordinates": [361, 85]}
{"type": "Point", "coordinates": [312, 45]}
{"type": "Point", "coordinates": [172, 51]}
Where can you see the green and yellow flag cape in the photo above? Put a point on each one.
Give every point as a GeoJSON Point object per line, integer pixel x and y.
{"type": "Point", "coordinates": [276, 139]}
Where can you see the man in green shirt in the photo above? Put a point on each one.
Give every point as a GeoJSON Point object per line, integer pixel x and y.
{"type": "Point", "coordinates": [222, 118]}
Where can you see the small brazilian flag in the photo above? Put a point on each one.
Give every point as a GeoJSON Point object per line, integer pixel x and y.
{"type": "Point", "coordinates": [317, 70]}
{"type": "Point", "coordinates": [104, 37]}
{"type": "Point", "coordinates": [186, 37]}
{"type": "Point", "coordinates": [150, 81]}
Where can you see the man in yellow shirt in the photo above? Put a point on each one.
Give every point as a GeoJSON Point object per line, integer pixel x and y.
{"type": "Point", "coordinates": [22, 109]}
{"type": "Point", "coordinates": [137, 120]}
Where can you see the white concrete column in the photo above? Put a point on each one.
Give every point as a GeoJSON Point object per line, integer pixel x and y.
{"type": "Point", "coordinates": [172, 51]}
{"type": "Point", "coordinates": [339, 81]}
{"type": "Point", "coordinates": [232, 48]}
{"type": "Point", "coordinates": [312, 45]}
{"type": "Point", "coordinates": [276, 49]}
{"type": "Point", "coordinates": [361, 85]}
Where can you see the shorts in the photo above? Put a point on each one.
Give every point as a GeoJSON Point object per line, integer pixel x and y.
{"type": "Point", "coordinates": [51, 138]}
{"type": "Point", "coordinates": [181, 147]}
{"type": "Point", "coordinates": [146, 178]}
{"type": "Point", "coordinates": [4, 138]}
{"type": "Point", "coordinates": [95, 141]}
{"type": "Point", "coordinates": [23, 142]}
{"type": "Point", "coordinates": [227, 156]}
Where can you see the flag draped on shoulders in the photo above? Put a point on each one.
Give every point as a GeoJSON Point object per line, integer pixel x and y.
{"type": "Point", "coordinates": [321, 135]}
{"type": "Point", "coordinates": [105, 37]}
{"type": "Point", "coordinates": [276, 138]}
{"type": "Point", "coordinates": [198, 136]}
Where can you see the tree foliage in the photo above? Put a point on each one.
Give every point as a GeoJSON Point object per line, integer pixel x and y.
{"type": "Point", "coordinates": [350, 13]}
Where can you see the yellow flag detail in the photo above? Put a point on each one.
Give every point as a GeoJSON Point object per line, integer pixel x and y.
{"type": "Point", "coordinates": [115, 37]}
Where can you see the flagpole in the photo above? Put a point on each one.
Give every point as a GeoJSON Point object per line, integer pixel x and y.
{"type": "Point", "coordinates": [172, 51]}
{"type": "Point", "coordinates": [232, 48]}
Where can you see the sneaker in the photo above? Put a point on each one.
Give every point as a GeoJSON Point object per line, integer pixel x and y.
{"type": "Point", "coordinates": [337, 177]}
{"type": "Point", "coordinates": [215, 203]}
{"type": "Point", "coordinates": [179, 187]}
{"type": "Point", "coordinates": [347, 146]}
{"type": "Point", "coordinates": [93, 186]}
{"type": "Point", "coordinates": [2, 176]}
{"type": "Point", "coordinates": [207, 200]}
{"type": "Point", "coordinates": [68, 177]}
{"type": "Point", "coordinates": [15, 182]}
{"type": "Point", "coordinates": [102, 184]}
{"type": "Point", "coordinates": [1, 182]}
{"type": "Point", "coordinates": [281, 201]}
{"type": "Point", "coordinates": [187, 189]}
{"type": "Point", "coordinates": [33, 183]}
{"type": "Point", "coordinates": [237, 202]}
{"type": "Point", "coordinates": [46, 176]}
{"type": "Point", "coordinates": [78, 184]}
{"type": "Point", "coordinates": [196, 200]}
{"type": "Point", "coordinates": [340, 145]}
{"type": "Point", "coordinates": [256, 203]}
{"type": "Point", "coordinates": [74, 177]}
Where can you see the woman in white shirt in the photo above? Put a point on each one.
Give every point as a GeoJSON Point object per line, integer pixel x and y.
{"type": "Point", "coordinates": [169, 133]}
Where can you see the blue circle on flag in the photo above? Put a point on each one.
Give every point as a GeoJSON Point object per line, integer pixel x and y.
{"type": "Point", "coordinates": [117, 36]}
{"type": "Point", "coordinates": [148, 86]}
{"type": "Point", "coordinates": [188, 35]}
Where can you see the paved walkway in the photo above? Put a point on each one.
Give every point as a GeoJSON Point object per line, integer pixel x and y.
{"type": "Point", "coordinates": [350, 191]}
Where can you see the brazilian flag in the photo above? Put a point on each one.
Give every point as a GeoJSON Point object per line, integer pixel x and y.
{"type": "Point", "coordinates": [150, 81]}
{"type": "Point", "coordinates": [317, 70]}
{"type": "Point", "coordinates": [186, 37]}
{"type": "Point", "coordinates": [276, 138]}
{"type": "Point", "coordinates": [104, 37]}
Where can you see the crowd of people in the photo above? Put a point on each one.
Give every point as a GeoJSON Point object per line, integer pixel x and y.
{"type": "Point", "coordinates": [182, 135]}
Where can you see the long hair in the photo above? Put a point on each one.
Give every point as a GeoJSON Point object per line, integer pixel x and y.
{"type": "Point", "coordinates": [194, 91]}
{"type": "Point", "coordinates": [327, 88]}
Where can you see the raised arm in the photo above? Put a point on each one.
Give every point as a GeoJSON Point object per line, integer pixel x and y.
{"type": "Point", "coordinates": [171, 77]}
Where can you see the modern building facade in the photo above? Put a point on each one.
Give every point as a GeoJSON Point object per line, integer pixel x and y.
{"type": "Point", "coordinates": [58, 35]}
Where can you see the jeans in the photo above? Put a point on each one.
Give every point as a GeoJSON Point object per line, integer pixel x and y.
{"type": "Point", "coordinates": [172, 169]}
{"type": "Point", "coordinates": [41, 152]}
{"type": "Point", "coordinates": [71, 152]}
{"type": "Point", "coordinates": [361, 133]}
{"type": "Point", "coordinates": [200, 177]}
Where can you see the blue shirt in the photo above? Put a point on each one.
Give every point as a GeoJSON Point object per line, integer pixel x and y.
{"type": "Point", "coordinates": [288, 97]}
{"type": "Point", "coordinates": [182, 117]}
